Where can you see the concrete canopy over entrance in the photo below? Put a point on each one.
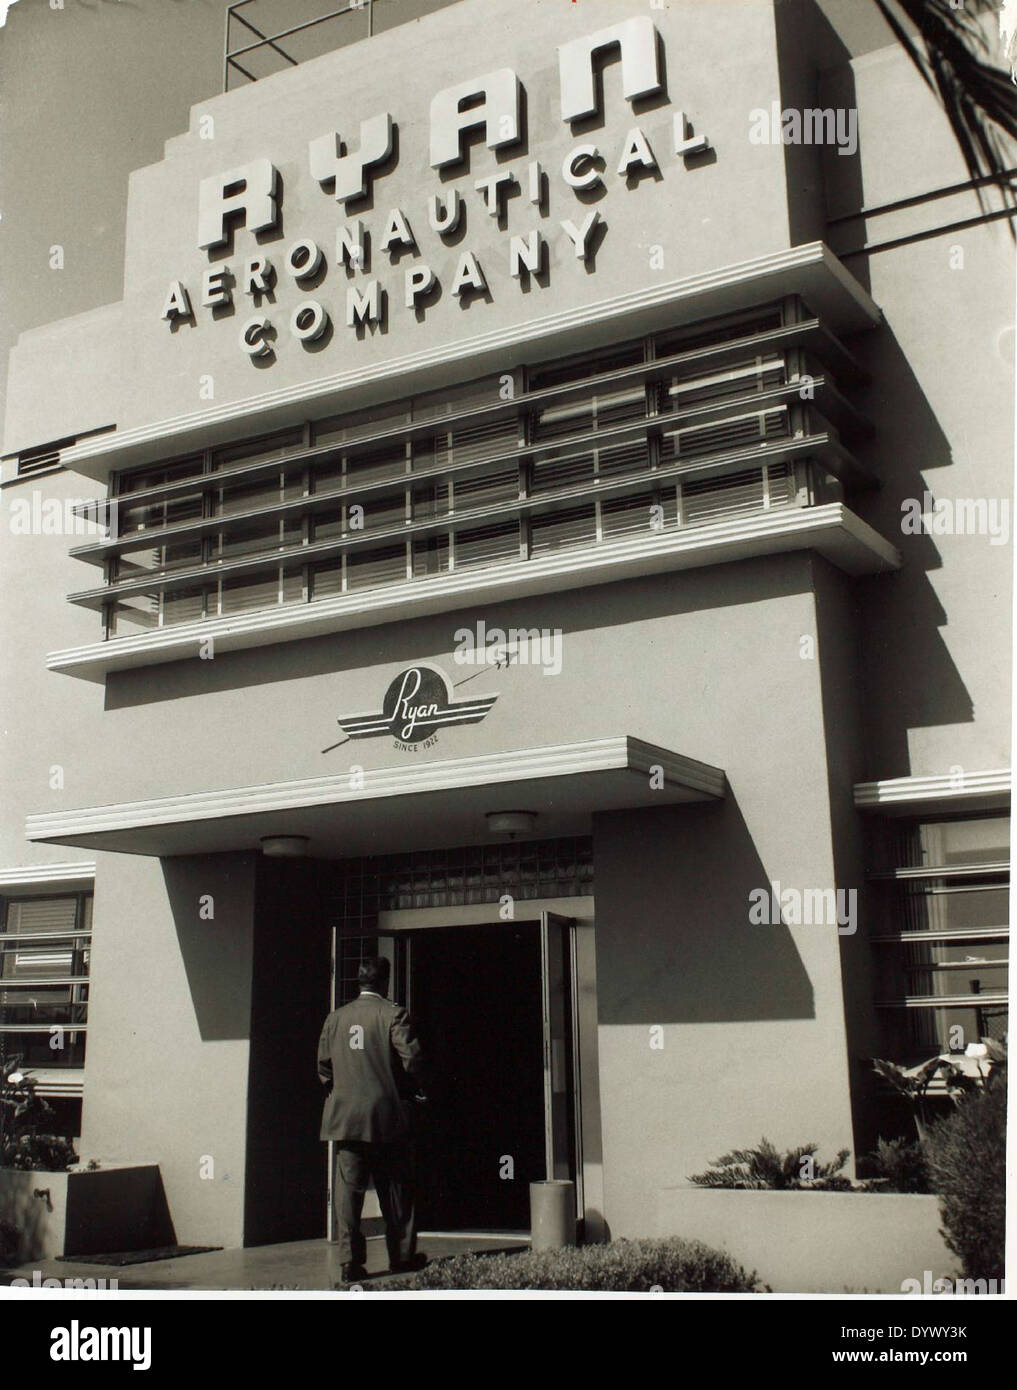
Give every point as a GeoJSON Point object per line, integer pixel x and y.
{"type": "Point", "coordinates": [421, 806]}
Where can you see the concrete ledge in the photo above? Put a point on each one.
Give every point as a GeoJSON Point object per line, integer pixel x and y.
{"type": "Point", "coordinates": [85, 1213]}
{"type": "Point", "coordinates": [831, 529]}
{"type": "Point", "coordinates": [815, 1242]}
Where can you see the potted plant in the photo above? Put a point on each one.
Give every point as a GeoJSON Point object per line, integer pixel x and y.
{"type": "Point", "coordinates": [31, 1208]}
{"type": "Point", "coordinates": [48, 1205]}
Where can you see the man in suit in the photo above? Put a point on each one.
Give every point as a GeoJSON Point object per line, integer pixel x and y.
{"type": "Point", "coordinates": [370, 1058]}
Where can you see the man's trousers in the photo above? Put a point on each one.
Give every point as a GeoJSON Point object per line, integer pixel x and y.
{"type": "Point", "coordinates": [390, 1167]}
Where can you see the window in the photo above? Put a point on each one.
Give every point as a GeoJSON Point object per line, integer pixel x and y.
{"type": "Point", "coordinates": [690, 427]}
{"type": "Point", "coordinates": [944, 952]}
{"type": "Point", "coordinates": [44, 957]}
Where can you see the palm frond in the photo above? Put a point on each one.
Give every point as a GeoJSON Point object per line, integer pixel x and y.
{"type": "Point", "coordinates": [957, 63]}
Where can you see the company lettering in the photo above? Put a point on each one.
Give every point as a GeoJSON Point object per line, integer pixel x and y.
{"type": "Point", "coordinates": [352, 163]}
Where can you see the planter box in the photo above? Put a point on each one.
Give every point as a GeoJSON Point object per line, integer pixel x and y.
{"type": "Point", "coordinates": [816, 1242]}
{"type": "Point", "coordinates": [85, 1213]}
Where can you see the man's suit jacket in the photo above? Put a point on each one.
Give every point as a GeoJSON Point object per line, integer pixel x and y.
{"type": "Point", "coordinates": [370, 1055]}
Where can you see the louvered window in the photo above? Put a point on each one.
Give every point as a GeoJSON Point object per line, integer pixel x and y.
{"type": "Point", "coordinates": [623, 458]}
{"type": "Point", "coordinates": [486, 545]}
{"type": "Point", "coordinates": [183, 605]}
{"type": "Point", "coordinates": [326, 580]}
{"type": "Point", "coordinates": [554, 475]}
{"type": "Point", "coordinates": [368, 569]}
{"type": "Point", "coordinates": [370, 465]}
{"type": "Point", "coordinates": [592, 412]}
{"type": "Point", "coordinates": [733, 494]}
{"type": "Point", "coordinates": [242, 593]}
{"type": "Point", "coordinates": [44, 959]}
{"type": "Point", "coordinates": [486, 489]}
{"type": "Point", "coordinates": [483, 441]}
{"type": "Point", "coordinates": [942, 953]}
{"type": "Point", "coordinates": [563, 529]}
{"type": "Point", "coordinates": [677, 430]}
{"type": "Point", "coordinates": [37, 461]}
{"type": "Point", "coordinates": [645, 512]}
{"type": "Point", "coordinates": [430, 555]}
{"type": "Point", "coordinates": [134, 614]}
{"type": "Point", "coordinates": [727, 435]}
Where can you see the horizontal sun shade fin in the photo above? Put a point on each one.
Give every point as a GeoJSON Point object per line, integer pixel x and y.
{"type": "Point", "coordinates": [674, 429]}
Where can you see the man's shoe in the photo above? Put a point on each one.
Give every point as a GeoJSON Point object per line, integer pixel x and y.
{"type": "Point", "coordinates": [352, 1274]}
{"type": "Point", "coordinates": [409, 1266]}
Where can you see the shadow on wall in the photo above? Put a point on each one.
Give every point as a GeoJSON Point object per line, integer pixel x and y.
{"type": "Point", "coordinates": [814, 71]}
{"type": "Point", "coordinates": [216, 951]}
{"type": "Point", "coordinates": [284, 1188]}
{"type": "Point", "coordinates": [674, 940]}
{"type": "Point", "coordinates": [900, 613]}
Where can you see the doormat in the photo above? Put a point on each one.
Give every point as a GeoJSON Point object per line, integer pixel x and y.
{"type": "Point", "coordinates": [139, 1257]}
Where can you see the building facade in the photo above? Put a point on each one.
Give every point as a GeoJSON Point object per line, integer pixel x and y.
{"type": "Point", "coordinates": [536, 511]}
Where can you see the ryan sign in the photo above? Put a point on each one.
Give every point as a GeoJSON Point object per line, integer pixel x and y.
{"type": "Point", "coordinates": [491, 106]}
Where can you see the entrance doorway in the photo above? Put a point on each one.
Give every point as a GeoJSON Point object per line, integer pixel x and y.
{"type": "Point", "coordinates": [494, 1007]}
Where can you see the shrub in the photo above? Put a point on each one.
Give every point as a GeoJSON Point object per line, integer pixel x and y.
{"type": "Point", "coordinates": [899, 1165]}
{"type": "Point", "coordinates": [966, 1154]}
{"type": "Point", "coordinates": [765, 1167]}
{"type": "Point", "coordinates": [673, 1265]}
{"type": "Point", "coordinates": [23, 1114]}
{"type": "Point", "coordinates": [48, 1153]}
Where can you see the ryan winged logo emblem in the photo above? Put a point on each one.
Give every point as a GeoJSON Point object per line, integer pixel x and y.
{"type": "Point", "coordinates": [416, 705]}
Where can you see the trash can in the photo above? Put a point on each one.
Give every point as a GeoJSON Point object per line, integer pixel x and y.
{"type": "Point", "coordinates": [552, 1214]}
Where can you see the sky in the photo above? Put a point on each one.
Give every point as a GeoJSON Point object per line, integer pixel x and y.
{"type": "Point", "coordinates": [91, 89]}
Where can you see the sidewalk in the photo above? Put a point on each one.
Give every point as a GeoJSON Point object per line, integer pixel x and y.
{"type": "Point", "coordinates": [304, 1264]}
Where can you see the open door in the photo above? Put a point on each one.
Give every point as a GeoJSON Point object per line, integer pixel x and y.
{"type": "Point", "coordinates": [562, 1119]}
{"type": "Point", "coordinates": [504, 1080]}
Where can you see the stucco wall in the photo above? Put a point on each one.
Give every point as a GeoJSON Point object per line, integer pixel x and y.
{"type": "Point", "coordinates": [817, 1242]}
{"type": "Point", "coordinates": [166, 1073]}
{"type": "Point", "coordinates": [672, 659]}
{"type": "Point", "coordinates": [41, 716]}
{"type": "Point", "coordinates": [715, 1030]}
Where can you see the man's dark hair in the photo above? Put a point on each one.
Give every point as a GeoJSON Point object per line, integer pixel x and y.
{"type": "Point", "coordinates": [373, 974]}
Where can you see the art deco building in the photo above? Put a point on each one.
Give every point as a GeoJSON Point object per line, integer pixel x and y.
{"type": "Point", "coordinates": [497, 548]}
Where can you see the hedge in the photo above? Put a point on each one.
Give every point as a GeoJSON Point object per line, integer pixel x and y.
{"type": "Point", "coordinates": [672, 1266]}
